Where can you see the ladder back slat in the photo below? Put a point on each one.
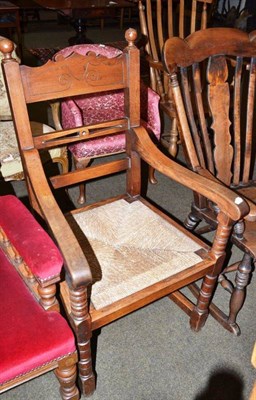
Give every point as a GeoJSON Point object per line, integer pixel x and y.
{"type": "Point", "coordinates": [58, 138]}
{"type": "Point", "coordinates": [81, 175]}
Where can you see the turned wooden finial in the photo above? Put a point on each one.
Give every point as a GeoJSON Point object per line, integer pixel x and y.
{"type": "Point", "coordinates": [6, 47]}
{"type": "Point", "coordinates": [130, 36]}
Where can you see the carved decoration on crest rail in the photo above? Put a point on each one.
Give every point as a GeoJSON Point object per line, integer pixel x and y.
{"type": "Point", "coordinates": [84, 72]}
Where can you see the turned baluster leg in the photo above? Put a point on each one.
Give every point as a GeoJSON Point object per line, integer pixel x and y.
{"type": "Point", "coordinates": [82, 326]}
{"type": "Point", "coordinates": [174, 136]}
{"type": "Point", "coordinates": [201, 311]}
{"type": "Point", "coordinates": [66, 376]}
{"type": "Point", "coordinates": [218, 252]}
{"type": "Point", "coordinates": [238, 296]}
{"type": "Point", "coordinates": [81, 164]}
{"type": "Point", "coordinates": [151, 175]}
{"type": "Point", "coordinates": [48, 297]}
{"type": "Point", "coordinates": [191, 221]}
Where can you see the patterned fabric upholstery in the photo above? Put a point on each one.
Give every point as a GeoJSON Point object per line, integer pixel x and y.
{"type": "Point", "coordinates": [110, 105]}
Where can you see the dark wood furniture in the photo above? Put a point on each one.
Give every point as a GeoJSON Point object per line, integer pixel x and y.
{"type": "Point", "coordinates": [10, 20]}
{"type": "Point", "coordinates": [81, 10]}
{"type": "Point", "coordinates": [35, 338]}
{"type": "Point", "coordinates": [159, 20]}
{"type": "Point", "coordinates": [218, 131]}
{"type": "Point", "coordinates": [124, 251]}
{"type": "Point", "coordinates": [84, 110]}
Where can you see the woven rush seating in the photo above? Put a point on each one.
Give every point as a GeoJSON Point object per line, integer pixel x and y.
{"type": "Point", "coordinates": [121, 223]}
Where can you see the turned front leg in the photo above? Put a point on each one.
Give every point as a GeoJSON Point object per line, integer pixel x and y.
{"type": "Point", "coordinates": [82, 325]}
{"type": "Point", "coordinates": [238, 296]}
{"type": "Point", "coordinates": [81, 164]}
{"type": "Point", "coordinates": [66, 375]}
{"type": "Point", "coordinates": [218, 252]}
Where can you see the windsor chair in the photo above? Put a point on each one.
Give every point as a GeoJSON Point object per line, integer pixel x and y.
{"type": "Point", "coordinates": [160, 20]}
{"type": "Point", "coordinates": [217, 129]}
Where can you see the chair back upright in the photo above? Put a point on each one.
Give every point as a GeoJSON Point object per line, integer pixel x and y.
{"type": "Point", "coordinates": [160, 20]}
{"type": "Point", "coordinates": [5, 112]}
{"type": "Point", "coordinates": [217, 123]}
{"type": "Point", "coordinates": [67, 78]}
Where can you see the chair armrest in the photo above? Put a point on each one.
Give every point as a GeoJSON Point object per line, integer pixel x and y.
{"type": "Point", "coordinates": [252, 214]}
{"type": "Point", "coordinates": [55, 107]}
{"type": "Point", "coordinates": [75, 262]}
{"type": "Point", "coordinates": [234, 206]}
{"type": "Point", "coordinates": [30, 240]}
{"type": "Point", "coordinates": [71, 114]}
{"type": "Point", "coordinates": [155, 63]}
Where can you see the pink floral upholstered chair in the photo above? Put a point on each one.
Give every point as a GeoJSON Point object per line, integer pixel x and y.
{"type": "Point", "coordinates": [94, 109]}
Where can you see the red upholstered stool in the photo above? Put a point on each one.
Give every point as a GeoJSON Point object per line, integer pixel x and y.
{"type": "Point", "coordinates": [32, 340]}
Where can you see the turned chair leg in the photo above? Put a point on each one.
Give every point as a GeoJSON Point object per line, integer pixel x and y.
{"type": "Point", "coordinates": [83, 332]}
{"type": "Point", "coordinates": [81, 164]}
{"type": "Point", "coordinates": [201, 310]}
{"type": "Point", "coordinates": [66, 376]}
{"type": "Point", "coordinates": [238, 296]}
{"type": "Point", "coordinates": [191, 221]}
{"type": "Point", "coordinates": [174, 136]}
{"type": "Point", "coordinates": [86, 375]}
{"type": "Point", "coordinates": [151, 175]}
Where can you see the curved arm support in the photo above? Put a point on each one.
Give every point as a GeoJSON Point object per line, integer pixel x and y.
{"type": "Point", "coordinates": [234, 206]}
{"type": "Point", "coordinates": [155, 63]}
{"type": "Point", "coordinates": [252, 214]}
{"type": "Point", "coordinates": [76, 265]}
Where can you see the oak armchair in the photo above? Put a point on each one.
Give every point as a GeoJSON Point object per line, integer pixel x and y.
{"type": "Point", "coordinates": [217, 129]}
{"type": "Point", "coordinates": [125, 252]}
